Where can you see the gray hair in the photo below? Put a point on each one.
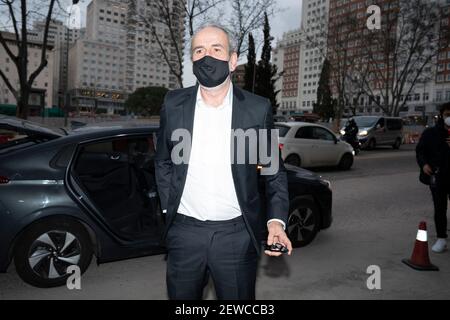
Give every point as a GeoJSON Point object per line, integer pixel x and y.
{"type": "Point", "coordinates": [231, 41]}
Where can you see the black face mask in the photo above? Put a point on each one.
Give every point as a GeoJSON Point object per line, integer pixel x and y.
{"type": "Point", "coordinates": [211, 72]}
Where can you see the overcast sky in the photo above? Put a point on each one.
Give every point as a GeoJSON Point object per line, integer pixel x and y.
{"type": "Point", "coordinates": [287, 19]}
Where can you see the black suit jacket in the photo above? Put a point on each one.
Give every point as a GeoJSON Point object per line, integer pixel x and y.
{"type": "Point", "coordinates": [249, 111]}
{"type": "Point", "coordinates": [433, 150]}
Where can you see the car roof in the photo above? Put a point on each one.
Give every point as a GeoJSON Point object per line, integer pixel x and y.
{"type": "Point", "coordinates": [298, 124]}
{"type": "Point", "coordinates": [26, 126]}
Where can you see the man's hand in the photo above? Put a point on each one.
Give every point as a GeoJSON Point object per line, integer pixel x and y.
{"type": "Point", "coordinates": [427, 170]}
{"type": "Point", "coordinates": [277, 235]}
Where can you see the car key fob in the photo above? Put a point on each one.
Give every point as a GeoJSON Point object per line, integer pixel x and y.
{"type": "Point", "coordinates": [276, 247]}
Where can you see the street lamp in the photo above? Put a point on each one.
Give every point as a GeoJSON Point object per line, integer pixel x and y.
{"type": "Point", "coordinates": [254, 64]}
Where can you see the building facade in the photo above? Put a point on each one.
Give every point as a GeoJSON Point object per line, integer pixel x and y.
{"type": "Point", "coordinates": [117, 55]}
{"type": "Point", "coordinates": [60, 37]}
{"type": "Point", "coordinates": [424, 100]}
{"type": "Point", "coordinates": [286, 56]}
{"type": "Point", "coordinates": [313, 50]}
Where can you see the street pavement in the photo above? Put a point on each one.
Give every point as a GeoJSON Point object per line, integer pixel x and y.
{"type": "Point", "coordinates": [377, 207]}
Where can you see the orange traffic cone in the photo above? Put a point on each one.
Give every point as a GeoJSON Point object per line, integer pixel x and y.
{"type": "Point", "coordinates": [420, 259]}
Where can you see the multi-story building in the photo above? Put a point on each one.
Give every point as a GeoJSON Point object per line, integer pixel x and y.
{"type": "Point", "coordinates": [313, 50]}
{"type": "Point", "coordinates": [286, 56]}
{"type": "Point", "coordinates": [118, 55]}
{"type": "Point", "coordinates": [346, 44]}
{"type": "Point", "coordinates": [442, 81]}
{"type": "Point", "coordinates": [60, 37]}
{"type": "Point", "coordinates": [42, 88]}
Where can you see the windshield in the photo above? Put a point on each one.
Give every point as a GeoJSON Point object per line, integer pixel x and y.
{"type": "Point", "coordinates": [364, 122]}
{"type": "Point", "coordinates": [283, 130]}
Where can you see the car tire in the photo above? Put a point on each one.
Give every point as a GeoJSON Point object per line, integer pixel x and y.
{"type": "Point", "coordinates": [397, 144]}
{"type": "Point", "coordinates": [303, 222]}
{"type": "Point", "coordinates": [294, 160]}
{"type": "Point", "coordinates": [372, 144]}
{"type": "Point", "coordinates": [346, 162]}
{"type": "Point", "coordinates": [46, 249]}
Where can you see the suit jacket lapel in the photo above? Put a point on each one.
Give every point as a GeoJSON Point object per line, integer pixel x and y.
{"type": "Point", "coordinates": [237, 112]}
{"type": "Point", "coordinates": [189, 110]}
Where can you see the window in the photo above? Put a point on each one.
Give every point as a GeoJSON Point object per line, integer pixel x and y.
{"type": "Point", "coordinates": [394, 124]}
{"type": "Point", "coordinates": [282, 130]}
{"type": "Point", "coordinates": [304, 133]}
{"type": "Point", "coordinates": [322, 134]}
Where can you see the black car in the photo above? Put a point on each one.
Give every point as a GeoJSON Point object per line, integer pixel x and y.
{"type": "Point", "coordinates": [65, 197]}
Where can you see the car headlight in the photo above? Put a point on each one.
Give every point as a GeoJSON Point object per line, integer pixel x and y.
{"type": "Point", "coordinates": [353, 152]}
{"type": "Point", "coordinates": [342, 132]}
{"type": "Point", "coordinates": [363, 133]}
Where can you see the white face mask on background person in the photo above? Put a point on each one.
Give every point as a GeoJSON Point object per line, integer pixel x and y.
{"type": "Point", "coordinates": [447, 121]}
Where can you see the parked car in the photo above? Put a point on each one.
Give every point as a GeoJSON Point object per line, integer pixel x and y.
{"type": "Point", "coordinates": [312, 145]}
{"type": "Point", "coordinates": [65, 198]}
{"type": "Point", "coordinates": [379, 131]}
{"type": "Point", "coordinates": [280, 118]}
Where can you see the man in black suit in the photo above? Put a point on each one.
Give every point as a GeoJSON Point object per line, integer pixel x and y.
{"type": "Point", "coordinates": [214, 213]}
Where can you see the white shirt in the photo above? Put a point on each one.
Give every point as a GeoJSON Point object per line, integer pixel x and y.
{"type": "Point", "coordinates": [209, 192]}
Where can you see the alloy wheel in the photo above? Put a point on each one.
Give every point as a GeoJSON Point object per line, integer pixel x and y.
{"type": "Point", "coordinates": [53, 252]}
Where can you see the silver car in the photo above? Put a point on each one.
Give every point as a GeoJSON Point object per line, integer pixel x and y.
{"type": "Point", "coordinates": [378, 131]}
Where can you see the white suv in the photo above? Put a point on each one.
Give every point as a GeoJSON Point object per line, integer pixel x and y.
{"type": "Point", "coordinates": [311, 145]}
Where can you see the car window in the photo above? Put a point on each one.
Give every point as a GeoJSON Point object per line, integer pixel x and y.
{"type": "Point", "coordinates": [381, 122]}
{"type": "Point", "coordinates": [364, 121]}
{"type": "Point", "coordinates": [394, 124]}
{"type": "Point", "coordinates": [304, 133]}
{"type": "Point", "coordinates": [18, 139]}
{"type": "Point", "coordinates": [322, 134]}
{"type": "Point", "coordinates": [282, 130]}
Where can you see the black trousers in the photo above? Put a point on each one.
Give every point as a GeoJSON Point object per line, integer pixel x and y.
{"type": "Point", "coordinates": [220, 249]}
{"type": "Point", "coordinates": [440, 201]}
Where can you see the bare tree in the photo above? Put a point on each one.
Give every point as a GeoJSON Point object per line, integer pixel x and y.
{"type": "Point", "coordinates": [14, 40]}
{"type": "Point", "coordinates": [247, 16]}
{"type": "Point", "coordinates": [170, 16]}
{"type": "Point", "coordinates": [198, 11]}
{"type": "Point", "coordinates": [401, 54]}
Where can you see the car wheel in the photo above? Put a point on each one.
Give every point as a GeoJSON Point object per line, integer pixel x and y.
{"type": "Point", "coordinates": [45, 251]}
{"type": "Point", "coordinates": [372, 144]}
{"type": "Point", "coordinates": [346, 162]}
{"type": "Point", "coordinates": [303, 222]}
{"type": "Point", "coordinates": [397, 144]}
{"type": "Point", "coordinates": [294, 160]}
